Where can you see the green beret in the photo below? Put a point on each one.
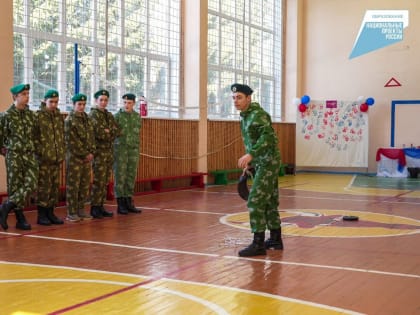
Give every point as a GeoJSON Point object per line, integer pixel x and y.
{"type": "Point", "coordinates": [50, 94]}
{"type": "Point", "coordinates": [101, 92]}
{"type": "Point", "coordinates": [243, 88]}
{"type": "Point", "coordinates": [79, 97]}
{"type": "Point", "coordinates": [129, 96]}
{"type": "Point", "coordinates": [19, 88]}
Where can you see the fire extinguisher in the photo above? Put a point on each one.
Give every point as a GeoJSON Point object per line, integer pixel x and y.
{"type": "Point", "coordinates": [143, 106]}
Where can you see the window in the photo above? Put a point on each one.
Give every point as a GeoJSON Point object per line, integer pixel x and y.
{"type": "Point", "coordinates": [244, 46]}
{"type": "Point", "coordinates": [121, 45]}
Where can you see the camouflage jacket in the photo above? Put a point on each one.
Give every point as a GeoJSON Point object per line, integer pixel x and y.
{"type": "Point", "coordinates": [79, 136]}
{"type": "Point", "coordinates": [17, 129]}
{"type": "Point", "coordinates": [259, 137]}
{"type": "Point", "coordinates": [129, 125]}
{"type": "Point", "coordinates": [49, 131]}
{"type": "Point", "coordinates": [102, 120]}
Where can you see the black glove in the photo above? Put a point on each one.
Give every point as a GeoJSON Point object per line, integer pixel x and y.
{"type": "Point", "coordinates": [243, 189]}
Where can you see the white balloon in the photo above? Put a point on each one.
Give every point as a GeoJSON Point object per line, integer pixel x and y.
{"type": "Point", "coordinates": [296, 101]}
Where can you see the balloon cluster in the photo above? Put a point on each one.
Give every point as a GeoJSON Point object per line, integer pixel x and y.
{"type": "Point", "coordinates": [364, 106]}
{"type": "Point", "coordinates": [303, 102]}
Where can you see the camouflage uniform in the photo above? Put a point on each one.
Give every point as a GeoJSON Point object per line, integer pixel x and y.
{"type": "Point", "coordinates": [126, 153]}
{"type": "Point", "coordinates": [50, 152]}
{"type": "Point", "coordinates": [80, 142]}
{"type": "Point", "coordinates": [261, 142]}
{"type": "Point", "coordinates": [17, 127]}
{"type": "Point", "coordinates": [103, 158]}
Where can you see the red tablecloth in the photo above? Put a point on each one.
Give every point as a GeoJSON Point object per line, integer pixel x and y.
{"type": "Point", "coordinates": [392, 153]}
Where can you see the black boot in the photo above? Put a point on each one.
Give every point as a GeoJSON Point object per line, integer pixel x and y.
{"type": "Point", "coordinates": [106, 213]}
{"type": "Point", "coordinates": [275, 240]}
{"type": "Point", "coordinates": [5, 209]}
{"type": "Point", "coordinates": [95, 211]}
{"type": "Point", "coordinates": [21, 222]}
{"type": "Point", "coordinates": [51, 216]}
{"type": "Point", "coordinates": [122, 207]}
{"type": "Point", "coordinates": [256, 247]}
{"type": "Point", "coordinates": [42, 216]}
{"type": "Point", "coordinates": [130, 205]}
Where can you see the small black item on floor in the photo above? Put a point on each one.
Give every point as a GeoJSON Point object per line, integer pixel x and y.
{"type": "Point", "coordinates": [350, 218]}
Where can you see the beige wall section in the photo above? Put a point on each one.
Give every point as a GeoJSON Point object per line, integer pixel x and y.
{"type": "Point", "coordinates": [329, 30]}
{"type": "Point", "coordinates": [292, 57]}
{"type": "Point", "coordinates": [195, 68]}
{"type": "Point", "coordinates": [6, 66]}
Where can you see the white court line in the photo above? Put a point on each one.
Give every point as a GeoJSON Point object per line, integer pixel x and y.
{"type": "Point", "coordinates": [209, 305]}
{"type": "Point", "coordinates": [213, 306]}
{"type": "Point", "coordinates": [396, 274]}
{"type": "Point", "coordinates": [276, 297]}
{"type": "Point", "coordinates": [385, 273]}
{"type": "Point", "coordinates": [185, 210]}
{"type": "Point", "coordinates": [77, 280]}
{"type": "Point", "coordinates": [8, 233]}
{"type": "Point", "coordinates": [352, 198]}
{"type": "Point", "coordinates": [121, 245]}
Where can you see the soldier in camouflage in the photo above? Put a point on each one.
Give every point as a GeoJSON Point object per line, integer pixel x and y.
{"type": "Point", "coordinates": [105, 129]}
{"type": "Point", "coordinates": [126, 154]}
{"type": "Point", "coordinates": [80, 144]}
{"type": "Point", "coordinates": [17, 131]}
{"type": "Point", "coordinates": [263, 154]}
{"type": "Point", "coordinates": [50, 152]}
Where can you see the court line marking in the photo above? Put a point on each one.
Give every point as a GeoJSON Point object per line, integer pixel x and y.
{"type": "Point", "coordinates": [385, 273]}
{"type": "Point", "coordinates": [117, 283]}
{"type": "Point", "coordinates": [133, 286]}
{"type": "Point", "coordinates": [224, 220]}
{"type": "Point", "coordinates": [273, 296]}
{"type": "Point", "coordinates": [406, 275]}
{"type": "Point", "coordinates": [121, 245]}
{"type": "Point", "coordinates": [146, 284]}
{"type": "Point", "coordinates": [353, 198]}
{"type": "Point", "coordinates": [212, 306]}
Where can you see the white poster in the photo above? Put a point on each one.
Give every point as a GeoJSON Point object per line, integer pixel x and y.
{"type": "Point", "coordinates": [332, 133]}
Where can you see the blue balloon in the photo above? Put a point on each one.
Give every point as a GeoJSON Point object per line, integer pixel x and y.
{"type": "Point", "coordinates": [370, 101]}
{"type": "Point", "coordinates": [305, 99]}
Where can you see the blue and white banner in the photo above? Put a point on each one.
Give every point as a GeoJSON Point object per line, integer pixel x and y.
{"type": "Point", "coordinates": [380, 28]}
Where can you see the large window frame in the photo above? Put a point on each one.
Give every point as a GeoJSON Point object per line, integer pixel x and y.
{"type": "Point", "coordinates": [50, 33]}
{"type": "Point", "coordinates": [244, 46]}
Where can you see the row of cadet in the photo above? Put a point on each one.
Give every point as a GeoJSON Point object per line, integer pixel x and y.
{"type": "Point", "coordinates": [36, 143]}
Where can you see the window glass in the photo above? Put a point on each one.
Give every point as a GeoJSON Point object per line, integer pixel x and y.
{"type": "Point", "coordinates": [244, 46]}
{"type": "Point", "coordinates": [84, 45]}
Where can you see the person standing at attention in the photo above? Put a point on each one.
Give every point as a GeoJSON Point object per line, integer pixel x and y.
{"type": "Point", "coordinates": [17, 129]}
{"type": "Point", "coordinates": [126, 154]}
{"type": "Point", "coordinates": [262, 153]}
{"type": "Point", "coordinates": [105, 129]}
{"type": "Point", "coordinates": [80, 143]}
{"type": "Point", "coordinates": [50, 152]}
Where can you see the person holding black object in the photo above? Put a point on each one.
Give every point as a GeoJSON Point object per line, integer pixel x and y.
{"type": "Point", "coordinates": [261, 153]}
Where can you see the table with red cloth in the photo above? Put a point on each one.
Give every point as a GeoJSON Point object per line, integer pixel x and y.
{"type": "Point", "coordinates": [391, 162]}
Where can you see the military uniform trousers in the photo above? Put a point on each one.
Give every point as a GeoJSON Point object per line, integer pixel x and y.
{"type": "Point", "coordinates": [102, 167]}
{"type": "Point", "coordinates": [263, 200]}
{"type": "Point", "coordinates": [48, 184]}
{"type": "Point", "coordinates": [78, 176]}
{"type": "Point", "coordinates": [126, 161]}
{"type": "Point", "coordinates": [22, 176]}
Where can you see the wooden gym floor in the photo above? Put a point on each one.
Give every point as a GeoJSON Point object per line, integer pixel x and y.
{"type": "Point", "coordinates": [180, 255]}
